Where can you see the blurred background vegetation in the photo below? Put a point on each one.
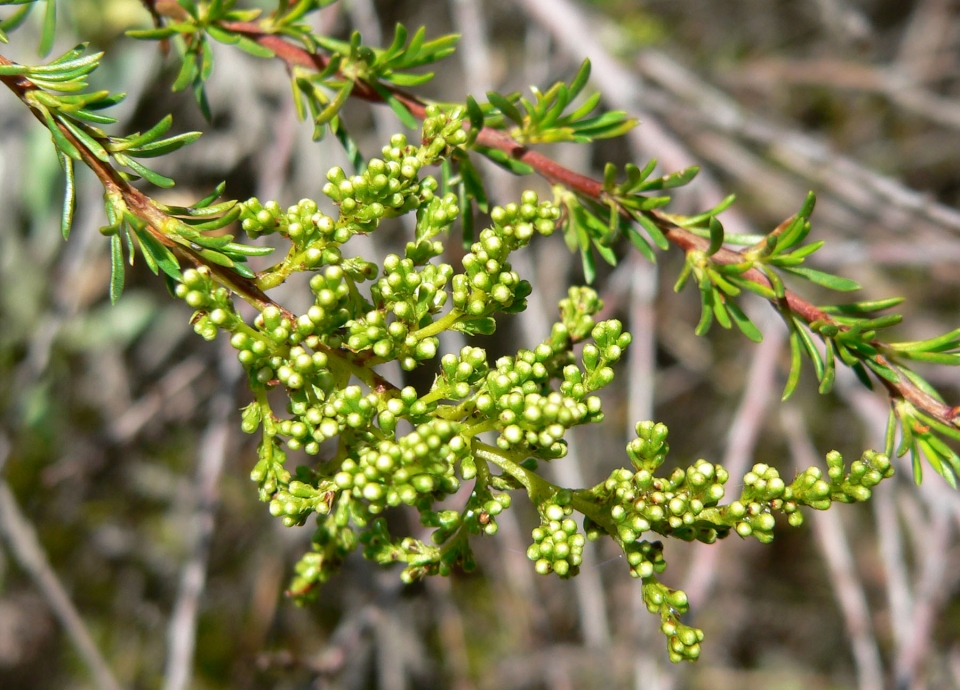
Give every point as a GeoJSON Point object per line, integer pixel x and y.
{"type": "Point", "coordinates": [119, 428]}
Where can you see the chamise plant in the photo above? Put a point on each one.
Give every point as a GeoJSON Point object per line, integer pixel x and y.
{"type": "Point", "coordinates": [485, 427]}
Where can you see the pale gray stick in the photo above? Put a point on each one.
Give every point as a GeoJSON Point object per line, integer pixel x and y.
{"type": "Point", "coordinates": [21, 539]}
{"type": "Point", "coordinates": [807, 156]}
{"type": "Point", "coordinates": [933, 585]}
{"type": "Point", "coordinates": [927, 31]}
{"type": "Point", "coordinates": [833, 546]}
{"type": "Point", "coordinates": [843, 21]}
{"type": "Point", "coordinates": [873, 413]}
{"type": "Point", "coordinates": [182, 630]}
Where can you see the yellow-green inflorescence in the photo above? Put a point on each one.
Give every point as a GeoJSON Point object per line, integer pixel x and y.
{"type": "Point", "coordinates": [372, 446]}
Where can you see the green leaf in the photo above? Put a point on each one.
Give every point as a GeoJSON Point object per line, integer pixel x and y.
{"type": "Point", "coordinates": [213, 256]}
{"type": "Point", "coordinates": [152, 134]}
{"type": "Point", "coordinates": [656, 234]}
{"type": "Point", "coordinates": [236, 250]}
{"type": "Point", "coordinates": [862, 375]}
{"type": "Point", "coordinates": [891, 434]}
{"type": "Point", "coordinates": [641, 244]}
{"type": "Point", "coordinates": [706, 215]}
{"type": "Point", "coordinates": [811, 348]}
{"type": "Point", "coordinates": [824, 279]}
{"type": "Point", "coordinates": [80, 132]}
{"type": "Point", "coordinates": [475, 115]}
{"type": "Point", "coordinates": [579, 81]}
{"type": "Point", "coordinates": [677, 179]}
{"type": "Point", "coordinates": [716, 236]}
{"type": "Point", "coordinates": [882, 371]}
{"type": "Point", "coordinates": [406, 80]}
{"type": "Point", "coordinates": [144, 172]}
{"type": "Point", "coordinates": [863, 307]}
{"type": "Point", "coordinates": [504, 160]}
{"type": "Point", "coordinates": [349, 146]}
{"type": "Point", "coordinates": [472, 182]}
{"type": "Point", "coordinates": [606, 253]}
{"type": "Point", "coordinates": [830, 367]}
{"type": "Point", "coordinates": [188, 72]}
{"type": "Point", "coordinates": [947, 341]}
{"type": "Point", "coordinates": [157, 33]}
{"type": "Point", "coordinates": [807, 209]}
{"type": "Point", "coordinates": [216, 194]}
{"type": "Point", "coordinates": [158, 254]}
{"type": "Point", "coordinates": [116, 268]}
{"type": "Point", "coordinates": [505, 106]}
{"type": "Point", "coordinates": [59, 139]}
{"type": "Point", "coordinates": [206, 60]}
{"type": "Point", "coordinates": [945, 358]}
{"type": "Point", "coordinates": [401, 111]}
{"type": "Point", "coordinates": [796, 362]}
{"type": "Point", "coordinates": [248, 45]}
{"type": "Point", "coordinates": [69, 195]}
{"type": "Point", "coordinates": [335, 105]}
{"type": "Point", "coordinates": [720, 312]}
{"type": "Point", "coordinates": [706, 310]}
{"type": "Point", "coordinates": [466, 216]}
{"type": "Point", "coordinates": [163, 147]}
{"type": "Point", "coordinates": [49, 28]}
{"type": "Point", "coordinates": [222, 35]}
{"type": "Point", "coordinates": [935, 460]}
{"type": "Point", "coordinates": [589, 265]}
{"type": "Point", "coordinates": [746, 326]}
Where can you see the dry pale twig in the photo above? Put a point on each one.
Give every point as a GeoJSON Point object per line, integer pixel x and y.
{"type": "Point", "coordinates": [182, 631]}
{"type": "Point", "coordinates": [21, 539]}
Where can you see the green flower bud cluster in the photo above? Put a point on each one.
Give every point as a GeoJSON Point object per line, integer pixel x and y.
{"type": "Point", "coordinates": [436, 215]}
{"type": "Point", "coordinates": [213, 304]}
{"type": "Point", "coordinates": [528, 414]}
{"type": "Point", "coordinates": [865, 473]}
{"type": "Point", "coordinates": [557, 543]}
{"type": "Point", "coordinates": [481, 512]}
{"type": "Point", "coordinates": [443, 131]}
{"type": "Point", "coordinates": [683, 641]}
{"type": "Point", "coordinates": [577, 310]}
{"type": "Point", "coordinates": [389, 186]}
{"type": "Point", "coordinates": [386, 184]}
{"type": "Point", "coordinates": [682, 505]}
{"type": "Point", "coordinates": [411, 295]}
{"type": "Point", "coordinates": [331, 543]}
{"type": "Point", "coordinates": [609, 342]}
{"type": "Point", "coordinates": [303, 224]}
{"type": "Point", "coordinates": [299, 499]}
{"type": "Point", "coordinates": [488, 283]}
{"type": "Point", "coordinates": [336, 301]}
{"type": "Point", "coordinates": [460, 374]}
{"type": "Point", "coordinates": [811, 489]}
{"type": "Point", "coordinates": [763, 492]}
{"type": "Point", "coordinates": [417, 466]}
{"type": "Point", "coordinates": [649, 449]}
{"type": "Point", "coordinates": [269, 472]}
{"type": "Point", "coordinates": [422, 560]}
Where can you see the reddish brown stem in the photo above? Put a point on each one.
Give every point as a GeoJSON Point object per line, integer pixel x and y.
{"type": "Point", "coordinates": [590, 188]}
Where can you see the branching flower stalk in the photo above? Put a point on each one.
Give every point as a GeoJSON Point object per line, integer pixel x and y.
{"type": "Point", "coordinates": [374, 445]}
